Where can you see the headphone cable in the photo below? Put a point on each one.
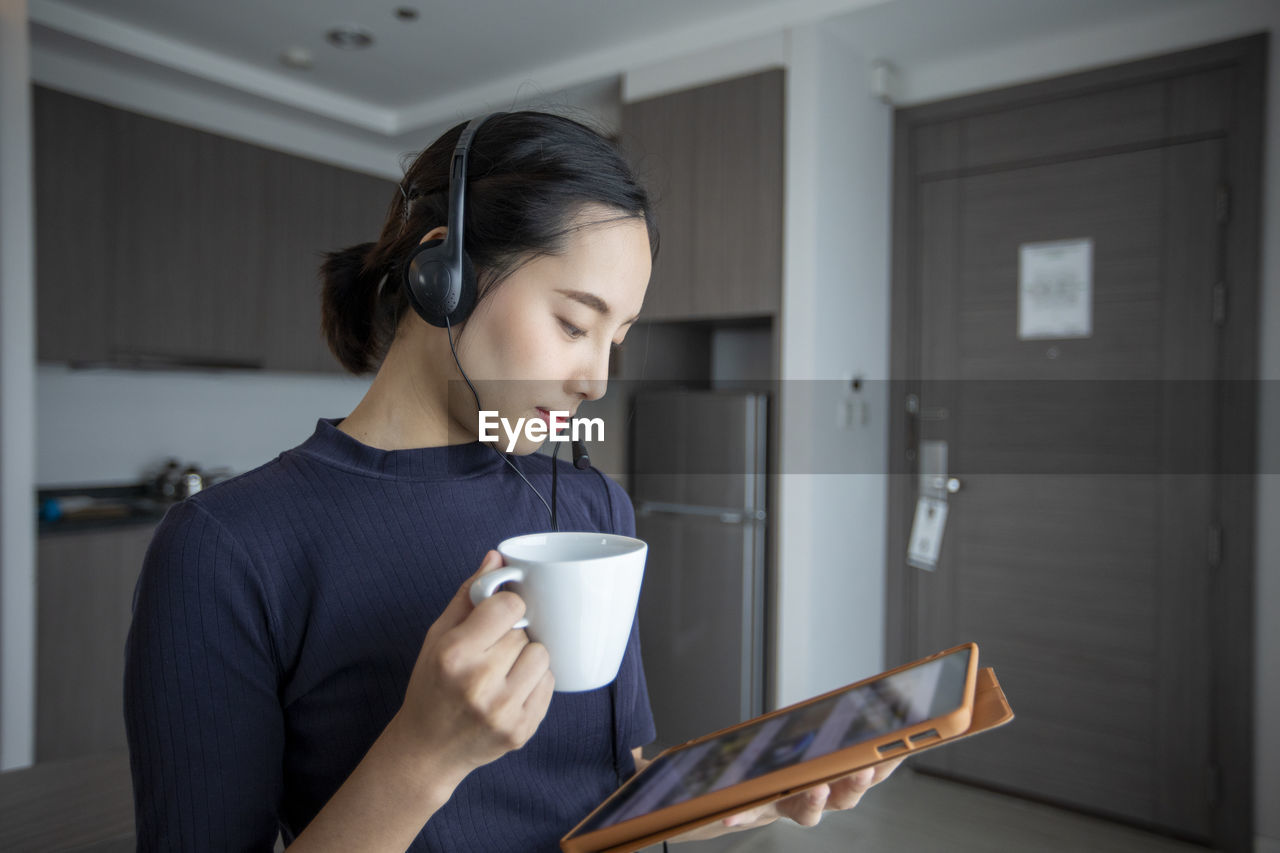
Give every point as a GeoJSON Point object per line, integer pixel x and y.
{"type": "Point", "coordinates": [555, 450]}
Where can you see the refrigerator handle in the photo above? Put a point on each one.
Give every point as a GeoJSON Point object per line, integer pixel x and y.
{"type": "Point", "coordinates": [728, 515]}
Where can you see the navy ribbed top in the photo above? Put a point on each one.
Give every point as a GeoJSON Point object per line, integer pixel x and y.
{"type": "Point", "coordinates": [278, 616]}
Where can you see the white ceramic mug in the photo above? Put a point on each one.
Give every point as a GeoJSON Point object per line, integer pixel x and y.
{"type": "Point", "coordinates": [580, 592]}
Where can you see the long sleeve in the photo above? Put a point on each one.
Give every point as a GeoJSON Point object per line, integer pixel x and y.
{"type": "Point", "coordinates": [202, 713]}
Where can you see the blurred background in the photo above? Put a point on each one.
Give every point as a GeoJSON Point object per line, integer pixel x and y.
{"type": "Point", "coordinates": [982, 296]}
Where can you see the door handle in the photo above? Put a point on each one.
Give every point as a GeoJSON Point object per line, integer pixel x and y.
{"type": "Point", "coordinates": [951, 485]}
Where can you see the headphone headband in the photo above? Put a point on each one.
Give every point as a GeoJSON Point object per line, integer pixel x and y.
{"type": "Point", "coordinates": [438, 275]}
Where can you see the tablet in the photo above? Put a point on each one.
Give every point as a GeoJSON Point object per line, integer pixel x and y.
{"type": "Point", "coordinates": [905, 709]}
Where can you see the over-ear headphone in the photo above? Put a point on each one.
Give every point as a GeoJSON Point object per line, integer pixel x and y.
{"type": "Point", "coordinates": [441, 283]}
{"type": "Point", "coordinates": [438, 276]}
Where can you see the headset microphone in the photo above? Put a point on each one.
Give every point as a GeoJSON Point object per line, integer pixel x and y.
{"type": "Point", "coordinates": [581, 460]}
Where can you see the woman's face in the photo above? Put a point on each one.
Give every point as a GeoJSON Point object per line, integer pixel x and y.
{"type": "Point", "coordinates": [540, 342]}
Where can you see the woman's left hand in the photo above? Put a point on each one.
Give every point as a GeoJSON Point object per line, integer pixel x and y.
{"type": "Point", "coordinates": [805, 808]}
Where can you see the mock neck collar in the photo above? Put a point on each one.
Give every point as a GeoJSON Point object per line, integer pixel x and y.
{"type": "Point", "coordinates": [449, 462]}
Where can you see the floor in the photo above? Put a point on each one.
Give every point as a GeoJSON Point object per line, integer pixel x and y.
{"type": "Point", "coordinates": [921, 814]}
{"type": "Point", "coordinates": [908, 813]}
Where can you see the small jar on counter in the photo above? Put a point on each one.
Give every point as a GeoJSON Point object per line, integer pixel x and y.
{"type": "Point", "coordinates": [192, 482]}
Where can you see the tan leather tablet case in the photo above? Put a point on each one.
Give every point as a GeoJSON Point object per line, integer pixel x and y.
{"type": "Point", "coordinates": [990, 709]}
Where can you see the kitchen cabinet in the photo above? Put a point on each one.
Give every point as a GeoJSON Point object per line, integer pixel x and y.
{"type": "Point", "coordinates": [188, 231]}
{"type": "Point", "coordinates": [73, 247]}
{"type": "Point", "coordinates": [713, 158]}
{"type": "Point", "coordinates": [342, 209]}
{"type": "Point", "coordinates": [162, 245]}
{"type": "Point", "coordinates": [659, 132]}
{"type": "Point", "coordinates": [84, 595]}
{"type": "Point", "coordinates": [737, 260]}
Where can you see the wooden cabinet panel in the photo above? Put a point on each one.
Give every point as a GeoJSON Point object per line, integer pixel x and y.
{"type": "Point", "coordinates": [84, 594]}
{"type": "Point", "coordinates": [311, 209]}
{"type": "Point", "coordinates": [188, 232]}
{"type": "Point", "coordinates": [713, 159]}
{"type": "Point", "coordinates": [73, 159]}
{"type": "Point", "coordinates": [737, 261]}
{"type": "Point", "coordinates": [659, 135]}
{"type": "Point", "coordinates": [162, 245]}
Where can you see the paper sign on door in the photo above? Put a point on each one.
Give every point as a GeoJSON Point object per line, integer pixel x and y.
{"type": "Point", "coordinates": [1055, 289]}
{"type": "Point", "coordinates": [926, 533]}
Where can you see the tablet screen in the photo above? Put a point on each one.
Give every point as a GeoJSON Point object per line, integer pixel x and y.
{"type": "Point", "coordinates": [923, 692]}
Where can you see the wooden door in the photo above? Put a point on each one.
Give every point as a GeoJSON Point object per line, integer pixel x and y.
{"type": "Point", "coordinates": [1082, 549]}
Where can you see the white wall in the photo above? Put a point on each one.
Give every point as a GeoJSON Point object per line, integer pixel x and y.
{"type": "Point", "coordinates": [109, 427]}
{"type": "Point", "coordinates": [17, 345]}
{"type": "Point", "coordinates": [835, 307]}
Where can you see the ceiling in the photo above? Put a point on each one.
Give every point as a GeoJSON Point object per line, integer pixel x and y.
{"type": "Point", "coordinates": [451, 46]}
{"type": "Point", "coordinates": [217, 65]}
{"type": "Point", "coordinates": [458, 56]}
{"type": "Point", "coordinates": [454, 57]}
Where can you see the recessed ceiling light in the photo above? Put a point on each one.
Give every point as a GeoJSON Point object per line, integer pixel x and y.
{"type": "Point", "coordinates": [297, 57]}
{"type": "Point", "coordinates": [349, 37]}
{"type": "Point", "coordinates": [407, 13]}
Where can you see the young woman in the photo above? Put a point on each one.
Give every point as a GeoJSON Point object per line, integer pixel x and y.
{"type": "Point", "coordinates": [277, 676]}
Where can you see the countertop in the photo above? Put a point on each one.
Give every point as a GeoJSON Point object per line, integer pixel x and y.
{"type": "Point", "coordinates": [136, 505]}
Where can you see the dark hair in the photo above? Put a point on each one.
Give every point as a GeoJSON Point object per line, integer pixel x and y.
{"type": "Point", "coordinates": [529, 174]}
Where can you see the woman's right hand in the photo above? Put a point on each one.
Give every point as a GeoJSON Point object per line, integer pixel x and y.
{"type": "Point", "coordinates": [479, 689]}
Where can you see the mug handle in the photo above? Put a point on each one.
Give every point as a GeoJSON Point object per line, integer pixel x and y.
{"type": "Point", "coordinates": [487, 584]}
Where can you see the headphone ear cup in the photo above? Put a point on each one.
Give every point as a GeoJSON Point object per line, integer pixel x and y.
{"type": "Point", "coordinates": [438, 291]}
{"type": "Point", "coordinates": [468, 293]}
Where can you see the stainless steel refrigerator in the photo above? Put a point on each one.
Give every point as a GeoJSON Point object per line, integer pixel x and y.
{"type": "Point", "coordinates": [698, 484]}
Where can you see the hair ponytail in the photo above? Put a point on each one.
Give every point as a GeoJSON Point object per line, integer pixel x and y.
{"type": "Point", "coordinates": [348, 301]}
